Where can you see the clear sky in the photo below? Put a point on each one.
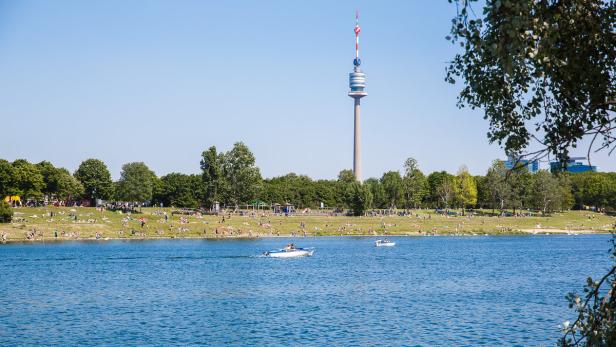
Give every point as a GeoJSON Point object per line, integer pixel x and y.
{"type": "Point", "coordinates": [161, 81]}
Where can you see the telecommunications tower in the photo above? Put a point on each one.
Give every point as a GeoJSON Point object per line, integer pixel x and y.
{"type": "Point", "coordinates": [357, 83]}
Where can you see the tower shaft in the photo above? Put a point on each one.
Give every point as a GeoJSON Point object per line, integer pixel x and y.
{"type": "Point", "coordinates": [357, 142]}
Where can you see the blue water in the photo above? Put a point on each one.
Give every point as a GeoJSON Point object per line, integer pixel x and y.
{"type": "Point", "coordinates": [432, 291]}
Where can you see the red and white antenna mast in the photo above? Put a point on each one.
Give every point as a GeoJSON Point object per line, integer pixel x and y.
{"type": "Point", "coordinates": [357, 31]}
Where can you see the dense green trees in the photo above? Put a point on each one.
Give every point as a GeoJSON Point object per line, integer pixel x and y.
{"type": "Point", "coordinates": [37, 181]}
{"type": "Point", "coordinates": [136, 183]}
{"type": "Point", "coordinates": [379, 200]}
{"type": "Point", "coordinates": [27, 179]}
{"type": "Point", "coordinates": [233, 179]}
{"type": "Point", "coordinates": [242, 178]}
{"type": "Point", "coordinates": [393, 189]}
{"type": "Point", "coordinates": [58, 183]}
{"type": "Point", "coordinates": [360, 198]}
{"type": "Point", "coordinates": [594, 189]}
{"type": "Point", "coordinates": [440, 189]}
{"type": "Point", "coordinates": [545, 192]}
{"type": "Point", "coordinates": [7, 179]}
{"type": "Point", "coordinates": [298, 190]}
{"type": "Point", "coordinates": [96, 180]}
{"type": "Point", "coordinates": [179, 190]}
{"type": "Point", "coordinates": [67, 187]}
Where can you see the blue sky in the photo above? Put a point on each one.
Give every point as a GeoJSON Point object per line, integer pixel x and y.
{"type": "Point", "coordinates": [161, 81]}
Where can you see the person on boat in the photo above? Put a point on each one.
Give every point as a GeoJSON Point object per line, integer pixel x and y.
{"type": "Point", "coordinates": [289, 247]}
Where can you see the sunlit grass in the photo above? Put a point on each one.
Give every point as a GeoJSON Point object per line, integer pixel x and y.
{"type": "Point", "coordinates": [90, 223]}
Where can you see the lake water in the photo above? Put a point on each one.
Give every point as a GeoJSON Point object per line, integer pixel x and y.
{"type": "Point", "coordinates": [432, 291]}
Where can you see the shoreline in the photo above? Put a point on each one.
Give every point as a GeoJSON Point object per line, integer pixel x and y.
{"type": "Point", "coordinates": [522, 233]}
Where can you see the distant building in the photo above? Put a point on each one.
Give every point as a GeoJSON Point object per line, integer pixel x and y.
{"type": "Point", "coordinates": [531, 165]}
{"type": "Point", "coordinates": [574, 165]}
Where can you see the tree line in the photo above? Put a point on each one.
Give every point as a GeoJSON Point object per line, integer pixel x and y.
{"type": "Point", "coordinates": [232, 179]}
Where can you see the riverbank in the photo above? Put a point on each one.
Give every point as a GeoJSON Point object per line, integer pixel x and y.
{"type": "Point", "coordinates": [82, 223]}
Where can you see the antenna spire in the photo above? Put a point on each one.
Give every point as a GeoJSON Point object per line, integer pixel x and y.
{"type": "Point", "coordinates": [357, 30]}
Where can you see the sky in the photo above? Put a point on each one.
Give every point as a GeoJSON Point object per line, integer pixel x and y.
{"type": "Point", "coordinates": [162, 81]}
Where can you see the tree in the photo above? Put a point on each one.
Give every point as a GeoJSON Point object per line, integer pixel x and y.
{"type": "Point", "coordinates": [393, 188]}
{"type": "Point", "coordinates": [592, 189]}
{"type": "Point", "coordinates": [28, 179]}
{"type": "Point", "coordinates": [242, 178]}
{"type": "Point", "coordinates": [361, 198]}
{"type": "Point", "coordinates": [179, 190]}
{"type": "Point", "coordinates": [211, 174]}
{"type": "Point", "coordinates": [483, 192]}
{"type": "Point", "coordinates": [566, 195]}
{"type": "Point", "coordinates": [135, 184]}
{"type": "Point", "coordinates": [414, 184]}
{"type": "Point", "coordinates": [496, 180]}
{"type": "Point", "coordinates": [519, 182]}
{"type": "Point", "coordinates": [325, 192]}
{"type": "Point", "coordinates": [343, 188]}
{"type": "Point", "coordinates": [96, 180]}
{"type": "Point", "coordinates": [50, 177]}
{"type": "Point", "coordinates": [346, 176]}
{"type": "Point", "coordinates": [378, 193]}
{"type": "Point", "coordinates": [465, 189]}
{"type": "Point", "coordinates": [440, 189]}
{"type": "Point", "coordinates": [6, 212]}
{"type": "Point", "coordinates": [539, 69]}
{"type": "Point", "coordinates": [67, 187]}
{"type": "Point", "coordinates": [298, 190]}
{"type": "Point", "coordinates": [546, 192]}
{"type": "Point", "coordinates": [7, 179]}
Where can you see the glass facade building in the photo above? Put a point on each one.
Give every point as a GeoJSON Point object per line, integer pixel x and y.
{"type": "Point", "coordinates": [574, 165]}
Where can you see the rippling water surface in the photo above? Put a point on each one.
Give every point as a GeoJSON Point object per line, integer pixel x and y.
{"type": "Point", "coordinates": [441, 291]}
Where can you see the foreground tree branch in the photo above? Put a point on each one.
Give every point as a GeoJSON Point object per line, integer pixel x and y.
{"type": "Point", "coordinates": [540, 70]}
{"type": "Point", "coordinates": [595, 324]}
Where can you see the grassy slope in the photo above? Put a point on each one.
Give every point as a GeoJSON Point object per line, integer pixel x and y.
{"type": "Point", "coordinates": [115, 225]}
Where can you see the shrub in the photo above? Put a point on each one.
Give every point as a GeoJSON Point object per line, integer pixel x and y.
{"type": "Point", "coordinates": [6, 212]}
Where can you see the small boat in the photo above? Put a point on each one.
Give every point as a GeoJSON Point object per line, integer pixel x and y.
{"type": "Point", "coordinates": [289, 253]}
{"type": "Point", "coordinates": [384, 243]}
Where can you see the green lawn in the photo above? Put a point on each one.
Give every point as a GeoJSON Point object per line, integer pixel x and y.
{"type": "Point", "coordinates": [40, 225]}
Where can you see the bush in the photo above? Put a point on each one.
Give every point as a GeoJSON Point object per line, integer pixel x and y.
{"type": "Point", "coordinates": [6, 212]}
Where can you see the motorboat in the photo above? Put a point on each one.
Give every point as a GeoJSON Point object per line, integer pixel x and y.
{"type": "Point", "coordinates": [384, 243]}
{"type": "Point", "coordinates": [289, 252]}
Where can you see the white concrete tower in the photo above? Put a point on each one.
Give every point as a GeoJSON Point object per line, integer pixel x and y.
{"type": "Point", "coordinates": [357, 83]}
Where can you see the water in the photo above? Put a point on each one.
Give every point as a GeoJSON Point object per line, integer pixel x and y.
{"type": "Point", "coordinates": [425, 291]}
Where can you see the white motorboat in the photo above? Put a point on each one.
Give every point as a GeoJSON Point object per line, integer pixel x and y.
{"type": "Point", "coordinates": [290, 253]}
{"type": "Point", "coordinates": [384, 243]}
